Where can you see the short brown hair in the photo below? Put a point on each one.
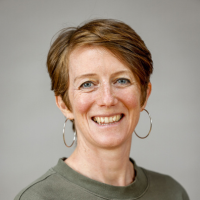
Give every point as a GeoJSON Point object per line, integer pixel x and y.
{"type": "Point", "coordinates": [113, 35]}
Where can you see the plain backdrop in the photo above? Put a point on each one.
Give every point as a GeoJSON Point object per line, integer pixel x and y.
{"type": "Point", "coordinates": [31, 124]}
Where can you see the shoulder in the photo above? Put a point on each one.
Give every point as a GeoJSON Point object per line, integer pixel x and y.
{"type": "Point", "coordinates": [165, 184]}
{"type": "Point", "coordinates": [52, 185]}
{"type": "Point", "coordinates": [38, 190]}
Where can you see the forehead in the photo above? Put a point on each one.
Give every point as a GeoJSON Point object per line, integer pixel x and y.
{"type": "Point", "coordinates": [89, 58]}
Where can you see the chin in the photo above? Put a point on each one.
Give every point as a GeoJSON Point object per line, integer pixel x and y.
{"type": "Point", "coordinates": [111, 142]}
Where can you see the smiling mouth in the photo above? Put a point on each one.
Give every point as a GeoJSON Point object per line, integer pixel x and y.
{"type": "Point", "coordinates": [107, 120]}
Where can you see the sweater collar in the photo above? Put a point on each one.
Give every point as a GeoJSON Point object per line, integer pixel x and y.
{"type": "Point", "coordinates": [132, 191]}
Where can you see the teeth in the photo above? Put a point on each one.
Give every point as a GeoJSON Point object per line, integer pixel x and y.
{"type": "Point", "coordinates": [102, 120]}
{"type": "Point", "coordinates": [117, 117]}
{"type": "Point", "coordinates": [107, 120]}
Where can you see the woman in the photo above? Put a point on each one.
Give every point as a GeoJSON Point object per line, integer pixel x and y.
{"type": "Point", "coordinates": [100, 75]}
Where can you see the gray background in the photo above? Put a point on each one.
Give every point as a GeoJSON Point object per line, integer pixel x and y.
{"type": "Point", "coordinates": [31, 125]}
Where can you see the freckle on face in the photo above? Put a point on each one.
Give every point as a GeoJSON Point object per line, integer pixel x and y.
{"type": "Point", "coordinates": [86, 105]}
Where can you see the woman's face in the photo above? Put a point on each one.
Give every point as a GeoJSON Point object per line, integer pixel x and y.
{"type": "Point", "coordinates": [104, 96]}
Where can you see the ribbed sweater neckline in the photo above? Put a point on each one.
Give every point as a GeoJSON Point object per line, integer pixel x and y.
{"type": "Point", "coordinates": [133, 191]}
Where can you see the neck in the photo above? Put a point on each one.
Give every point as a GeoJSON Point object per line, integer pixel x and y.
{"type": "Point", "coordinates": [110, 166]}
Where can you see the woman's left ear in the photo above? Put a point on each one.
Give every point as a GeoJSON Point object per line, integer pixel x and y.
{"type": "Point", "coordinates": [147, 96]}
{"type": "Point", "coordinates": [64, 109]}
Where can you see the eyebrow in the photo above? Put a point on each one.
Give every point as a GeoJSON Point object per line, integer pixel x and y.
{"type": "Point", "coordinates": [94, 75]}
{"type": "Point", "coordinates": [84, 76]}
{"type": "Point", "coordinates": [122, 72]}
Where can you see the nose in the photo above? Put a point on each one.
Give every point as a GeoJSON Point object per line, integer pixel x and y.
{"type": "Point", "coordinates": [107, 96]}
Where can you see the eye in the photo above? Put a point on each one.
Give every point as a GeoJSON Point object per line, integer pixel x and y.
{"type": "Point", "coordinates": [86, 85]}
{"type": "Point", "coordinates": [123, 81]}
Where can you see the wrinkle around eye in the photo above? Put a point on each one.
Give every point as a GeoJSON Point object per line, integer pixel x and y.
{"type": "Point", "coordinates": [88, 88]}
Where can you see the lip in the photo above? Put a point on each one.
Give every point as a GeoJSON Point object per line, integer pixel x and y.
{"type": "Point", "coordinates": [108, 115]}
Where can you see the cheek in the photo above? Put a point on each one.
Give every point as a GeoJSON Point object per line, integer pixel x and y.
{"type": "Point", "coordinates": [81, 103]}
{"type": "Point", "coordinates": [131, 98]}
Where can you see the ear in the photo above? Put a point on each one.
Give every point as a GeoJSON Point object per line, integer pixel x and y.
{"type": "Point", "coordinates": [61, 105]}
{"type": "Point", "coordinates": [147, 97]}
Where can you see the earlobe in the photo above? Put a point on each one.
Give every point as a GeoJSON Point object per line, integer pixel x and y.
{"type": "Point", "coordinates": [149, 89]}
{"type": "Point", "coordinates": [63, 108]}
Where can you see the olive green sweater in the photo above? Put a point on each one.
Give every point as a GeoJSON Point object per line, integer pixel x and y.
{"type": "Point", "coordinates": [63, 183]}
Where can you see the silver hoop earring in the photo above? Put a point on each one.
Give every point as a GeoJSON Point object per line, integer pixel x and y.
{"type": "Point", "coordinates": [149, 129]}
{"type": "Point", "coordinates": [64, 135]}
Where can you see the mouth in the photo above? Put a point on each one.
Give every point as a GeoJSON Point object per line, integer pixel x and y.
{"type": "Point", "coordinates": [108, 120]}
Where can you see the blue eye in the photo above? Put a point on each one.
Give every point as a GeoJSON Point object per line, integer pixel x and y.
{"type": "Point", "coordinates": [123, 81]}
{"type": "Point", "coordinates": [87, 85]}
